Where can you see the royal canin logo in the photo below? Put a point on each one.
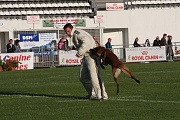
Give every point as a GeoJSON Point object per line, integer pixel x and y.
{"type": "Point", "coordinates": [144, 52]}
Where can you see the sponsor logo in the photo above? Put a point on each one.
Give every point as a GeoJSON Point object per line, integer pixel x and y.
{"type": "Point", "coordinates": [148, 57]}
{"type": "Point", "coordinates": [144, 52]}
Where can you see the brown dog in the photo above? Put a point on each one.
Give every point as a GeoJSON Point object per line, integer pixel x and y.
{"type": "Point", "coordinates": [108, 57]}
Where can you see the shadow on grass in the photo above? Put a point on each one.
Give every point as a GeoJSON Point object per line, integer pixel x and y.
{"type": "Point", "coordinates": [13, 93]}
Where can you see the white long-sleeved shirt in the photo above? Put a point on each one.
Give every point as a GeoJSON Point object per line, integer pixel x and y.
{"type": "Point", "coordinates": [82, 40]}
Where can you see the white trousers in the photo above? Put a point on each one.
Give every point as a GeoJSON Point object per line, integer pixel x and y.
{"type": "Point", "coordinates": [90, 77]}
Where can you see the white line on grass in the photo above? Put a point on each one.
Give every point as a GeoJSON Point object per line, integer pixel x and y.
{"type": "Point", "coordinates": [126, 100]}
{"type": "Point", "coordinates": [147, 101]}
{"type": "Point", "coordinates": [165, 71]}
{"type": "Point", "coordinates": [123, 99]}
{"type": "Point", "coordinates": [61, 76]}
{"type": "Point", "coordinates": [160, 83]}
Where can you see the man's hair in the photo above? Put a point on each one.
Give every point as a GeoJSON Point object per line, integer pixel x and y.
{"type": "Point", "coordinates": [16, 42]}
{"type": "Point", "coordinates": [10, 40]}
{"type": "Point", "coordinates": [164, 35]}
{"type": "Point", "coordinates": [68, 25]}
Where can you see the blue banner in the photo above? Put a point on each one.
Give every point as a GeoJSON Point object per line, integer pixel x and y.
{"type": "Point", "coordinates": [29, 37]}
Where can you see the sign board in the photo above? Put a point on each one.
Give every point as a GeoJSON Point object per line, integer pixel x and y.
{"type": "Point", "coordinates": [99, 19]}
{"type": "Point", "coordinates": [28, 41]}
{"type": "Point", "coordinates": [33, 19]}
{"type": "Point", "coordinates": [142, 54]}
{"type": "Point", "coordinates": [68, 58]}
{"type": "Point", "coordinates": [114, 6]}
{"type": "Point", "coordinates": [176, 49]}
{"type": "Point", "coordinates": [26, 59]}
{"type": "Point", "coordinates": [62, 22]}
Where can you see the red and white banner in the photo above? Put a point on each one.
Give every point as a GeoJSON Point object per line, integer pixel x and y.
{"type": "Point", "coordinates": [33, 19]}
{"type": "Point", "coordinates": [26, 59]}
{"type": "Point", "coordinates": [140, 54]}
{"type": "Point", "coordinates": [114, 6]}
{"type": "Point", "coordinates": [69, 58]}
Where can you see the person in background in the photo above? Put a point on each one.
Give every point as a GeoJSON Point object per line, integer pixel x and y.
{"type": "Point", "coordinates": [65, 38]}
{"type": "Point", "coordinates": [96, 41]}
{"type": "Point", "coordinates": [108, 44]}
{"type": "Point", "coordinates": [17, 46]}
{"type": "Point", "coordinates": [136, 42]}
{"type": "Point", "coordinates": [60, 44]}
{"type": "Point", "coordinates": [65, 47]}
{"type": "Point", "coordinates": [169, 52]}
{"type": "Point", "coordinates": [147, 43]}
{"type": "Point", "coordinates": [10, 47]}
{"type": "Point", "coordinates": [157, 42]}
{"type": "Point", "coordinates": [163, 40]}
{"type": "Point", "coordinates": [83, 42]}
{"type": "Point", "coordinates": [53, 45]}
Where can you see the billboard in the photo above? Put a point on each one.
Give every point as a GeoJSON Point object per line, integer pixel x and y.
{"type": "Point", "coordinates": [176, 49]}
{"type": "Point", "coordinates": [62, 22]}
{"type": "Point", "coordinates": [26, 59]}
{"type": "Point", "coordinates": [142, 54]}
{"type": "Point", "coordinates": [28, 41]}
{"type": "Point", "coordinates": [69, 58]}
{"type": "Point", "coordinates": [114, 6]}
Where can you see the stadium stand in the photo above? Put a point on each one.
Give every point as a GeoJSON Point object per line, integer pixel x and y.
{"type": "Point", "coordinates": [133, 4]}
{"type": "Point", "coordinates": [45, 8]}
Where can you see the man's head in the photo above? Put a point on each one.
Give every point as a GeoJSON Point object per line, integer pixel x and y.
{"type": "Point", "coordinates": [164, 35]}
{"type": "Point", "coordinates": [169, 37]}
{"type": "Point", "coordinates": [136, 39]}
{"type": "Point", "coordinates": [157, 38]}
{"type": "Point", "coordinates": [109, 39]}
{"type": "Point", "coordinates": [68, 29]}
{"type": "Point", "coordinates": [10, 41]}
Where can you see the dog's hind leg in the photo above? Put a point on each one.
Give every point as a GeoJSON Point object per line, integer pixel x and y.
{"type": "Point", "coordinates": [116, 72]}
{"type": "Point", "coordinates": [126, 71]}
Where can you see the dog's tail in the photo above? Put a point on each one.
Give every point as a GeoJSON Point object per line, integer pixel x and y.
{"type": "Point", "coordinates": [126, 71]}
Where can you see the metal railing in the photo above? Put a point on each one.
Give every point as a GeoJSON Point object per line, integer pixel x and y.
{"type": "Point", "coordinates": [48, 58]}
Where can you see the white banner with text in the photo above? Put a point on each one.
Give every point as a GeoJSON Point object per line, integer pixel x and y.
{"type": "Point", "coordinates": [25, 58]}
{"type": "Point", "coordinates": [69, 58]}
{"type": "Point", "coordinates": [142, 54]}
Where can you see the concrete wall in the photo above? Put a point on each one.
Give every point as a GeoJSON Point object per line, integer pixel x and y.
{"type": "Point", "coordinates": [145, 23]}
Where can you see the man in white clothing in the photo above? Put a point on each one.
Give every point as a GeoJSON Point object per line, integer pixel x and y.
{"type": "Point", "coordinates": [83, 42]}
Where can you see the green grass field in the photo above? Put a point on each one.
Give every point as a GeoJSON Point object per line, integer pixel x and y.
{"type": "Point", "coordinates": [57, 94]}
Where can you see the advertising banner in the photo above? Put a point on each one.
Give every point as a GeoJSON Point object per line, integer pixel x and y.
{"type": "Point", "coordinates": [26, 59]}
{"type": "Point", "coordinates": [142, 54]}
{"type": "Point", "coordinates": [176, 49]}
{"type": "Point", "coordinates": [114, 6]}
{"type": "Point", "coordinates": [68, 58]}
{"type": "Point", "coordinates": [28, 41]}
{"type": "Point", "coordinates": [62, 22]}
